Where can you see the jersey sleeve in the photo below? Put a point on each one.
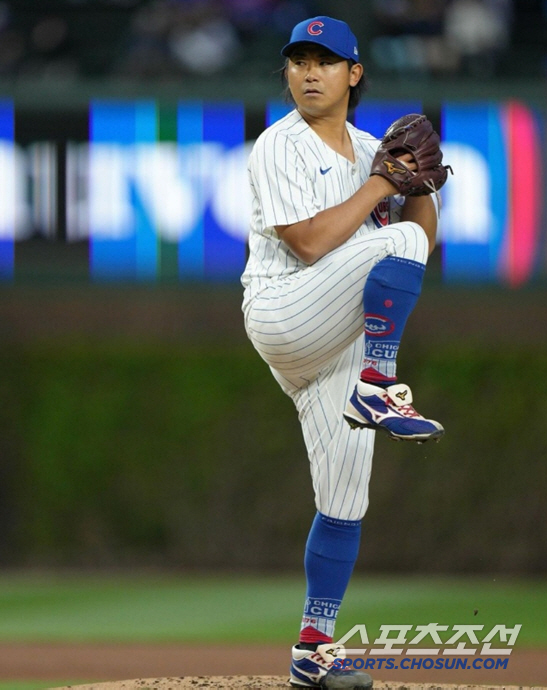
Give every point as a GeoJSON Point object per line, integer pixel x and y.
{"type": "Point", "coordinates": [280, 181]}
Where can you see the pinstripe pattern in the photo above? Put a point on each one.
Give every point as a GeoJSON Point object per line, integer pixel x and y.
{"type": "Point", "coordinates": [305, 321]}
{"type": "Point", "coordinates": [340, 461]}
{"type": "Point", "coordinates": [299, 324]}
{"type": "Point", "coordinates": [287, 186]}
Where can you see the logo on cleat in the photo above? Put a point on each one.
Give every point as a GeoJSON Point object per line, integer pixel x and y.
{"type": "Point", "coordinates": [402, 394]}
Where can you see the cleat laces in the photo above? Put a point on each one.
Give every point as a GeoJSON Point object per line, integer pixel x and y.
{"type": "Point", "coordinates": [408, 411]}
{"type": "Point", "coordinates": [405, 410]}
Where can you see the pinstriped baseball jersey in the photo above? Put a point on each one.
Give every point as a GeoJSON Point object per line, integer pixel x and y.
{"type": "Point", "coordinates": [294, 175]}
{"type": "Point", "coordinates": [306, 321]}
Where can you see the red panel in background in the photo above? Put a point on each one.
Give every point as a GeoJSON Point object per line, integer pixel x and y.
{"type": "Point", "coordinates": [524, 202]}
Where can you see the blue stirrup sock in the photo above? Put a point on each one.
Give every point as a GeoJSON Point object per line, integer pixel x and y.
{"type": "Point", "coordinates": [331, 552]}
{"type": "Point", "coordinates": [389, 296]}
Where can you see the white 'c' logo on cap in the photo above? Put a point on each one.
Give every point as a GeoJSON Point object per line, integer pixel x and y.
{"type": "Point", "coordinates": [314, 28]}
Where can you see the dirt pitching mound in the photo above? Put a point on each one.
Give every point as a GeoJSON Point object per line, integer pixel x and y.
{"type": "Point", "coordinates": [257, 682]}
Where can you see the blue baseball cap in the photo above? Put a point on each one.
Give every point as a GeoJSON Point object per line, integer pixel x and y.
{"type": "Point", "coordinates": [327, 32]}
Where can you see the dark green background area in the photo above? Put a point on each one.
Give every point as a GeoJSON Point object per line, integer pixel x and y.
{"type": "Point", "coordinates": [139, 426]}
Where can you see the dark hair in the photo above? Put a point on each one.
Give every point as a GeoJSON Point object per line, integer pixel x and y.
{"type": "Point", "coordinates": [355, 92]}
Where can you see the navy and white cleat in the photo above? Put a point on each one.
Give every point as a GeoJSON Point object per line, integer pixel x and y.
{"type": "Point", "coordinates": [390, 410]}
{"type": "Point", "coordinates": [317, 669]}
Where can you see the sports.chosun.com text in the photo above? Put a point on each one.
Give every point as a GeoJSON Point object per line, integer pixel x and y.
{"type": "Point", "coordinates": [427, 663]}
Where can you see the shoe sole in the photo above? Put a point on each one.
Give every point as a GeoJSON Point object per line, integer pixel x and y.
{"type": "Point", "coordinates": [356, 423]}
{"type": "Point", "coordinates": [338, 683]}
{"type": "Point", "coordinates": [333, 687]}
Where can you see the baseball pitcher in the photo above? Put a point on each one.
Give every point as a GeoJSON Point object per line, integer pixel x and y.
{"type": "Point", "coordinates": [342, 226]}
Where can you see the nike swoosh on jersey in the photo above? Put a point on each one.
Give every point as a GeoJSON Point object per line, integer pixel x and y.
{"type": "Point", "coordinates": [325, 171]}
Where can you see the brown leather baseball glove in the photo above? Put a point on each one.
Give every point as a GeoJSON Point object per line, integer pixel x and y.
{"type": "Point", "coordinates": [413, 134]}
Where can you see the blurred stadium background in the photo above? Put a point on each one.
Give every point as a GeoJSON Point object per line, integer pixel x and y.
{"type": "Point", "coordinates": [138, 426]}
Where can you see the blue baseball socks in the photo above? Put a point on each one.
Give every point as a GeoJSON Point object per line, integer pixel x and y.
{"type": "Point", "coordinates": [390, 294]}
{"type": "Point", "coordinates": [331, 552]}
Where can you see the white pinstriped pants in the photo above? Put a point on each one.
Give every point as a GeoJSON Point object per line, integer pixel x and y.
{"type": "Point", "coordinates": [308, 327]}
